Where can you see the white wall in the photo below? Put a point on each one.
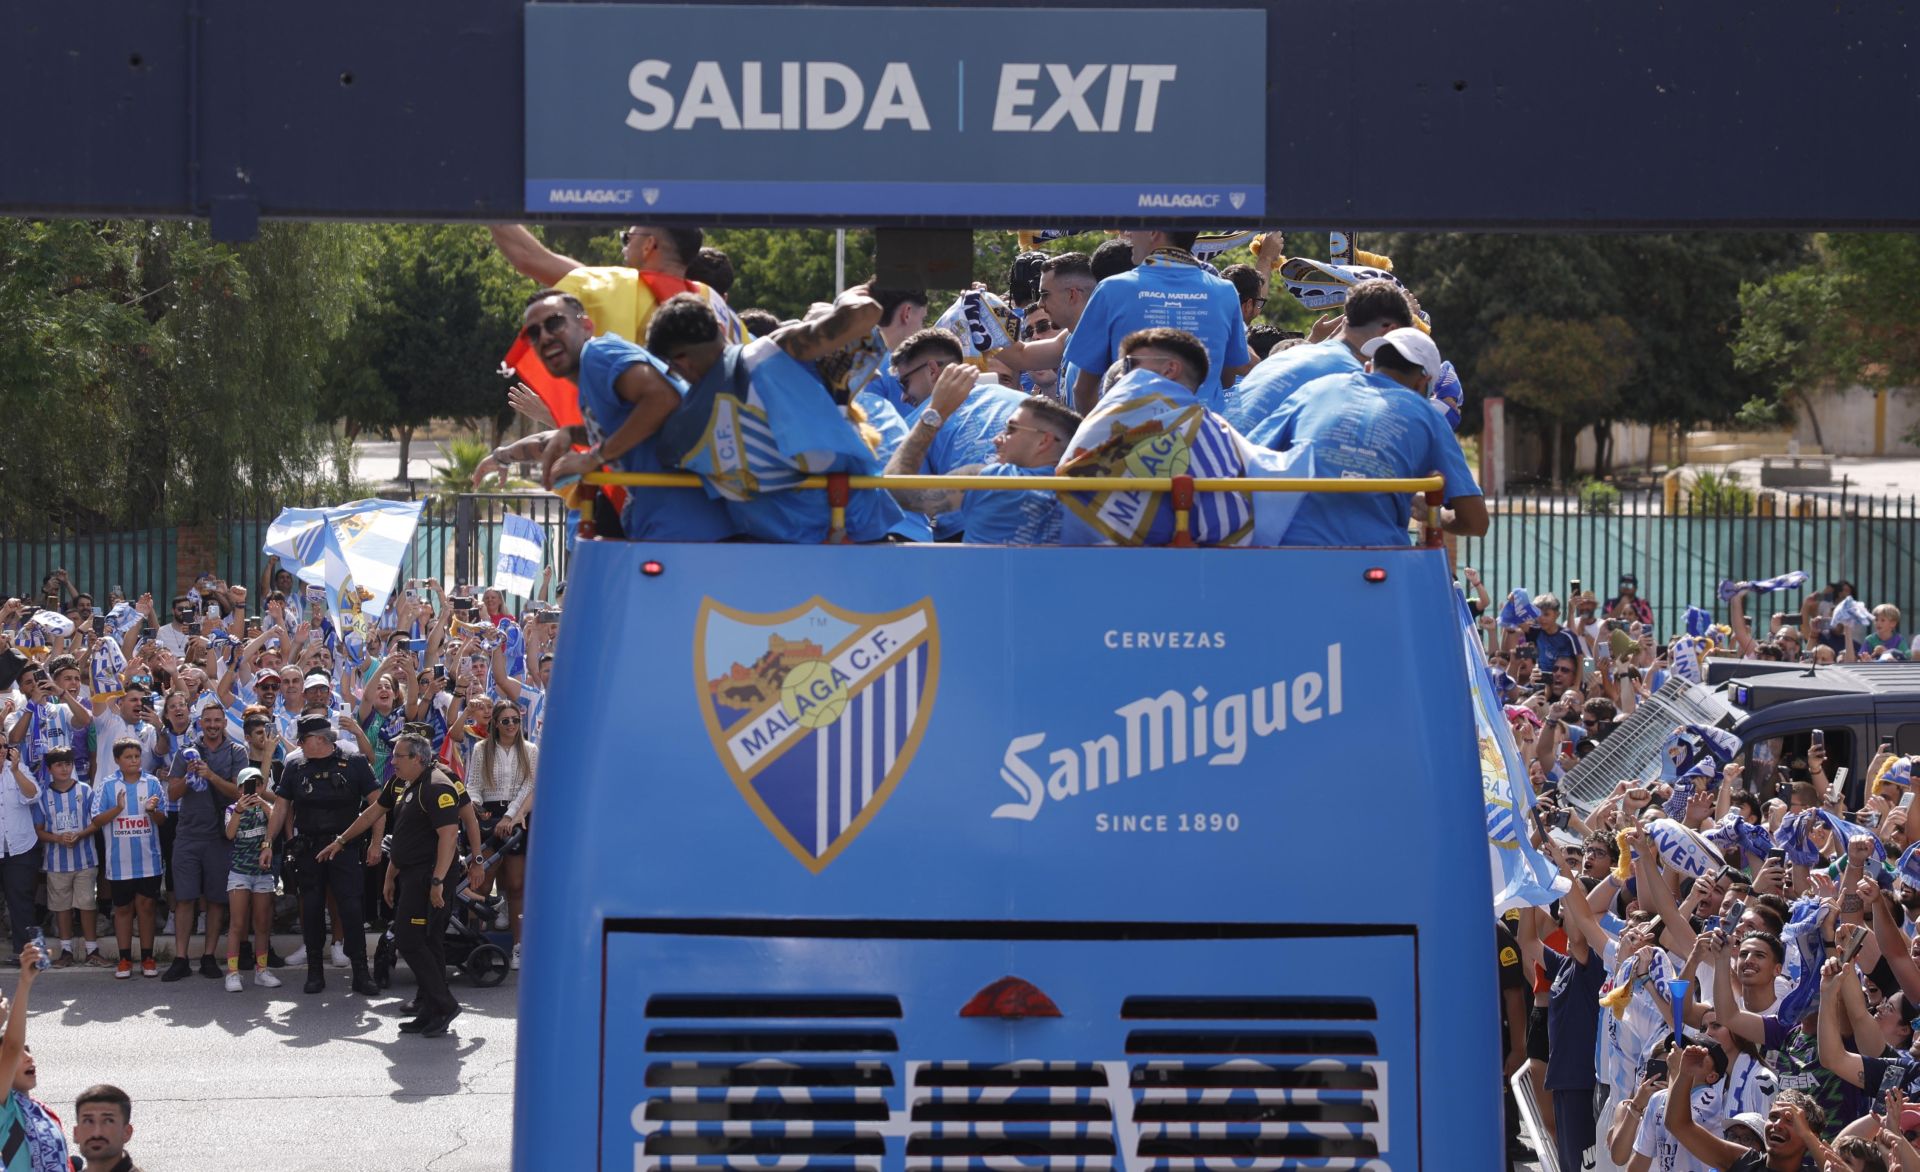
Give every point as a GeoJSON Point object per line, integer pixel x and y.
{"type": "Point", "coordinates": [1632, 444]}
{"type": "Point", "coordinates": [1847, 422]}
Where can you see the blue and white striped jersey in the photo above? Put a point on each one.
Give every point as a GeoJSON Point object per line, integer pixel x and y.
{"type": "Point", "coordinates": [133, 837]}
{"type": "Point", "coordinates": [64, 813]}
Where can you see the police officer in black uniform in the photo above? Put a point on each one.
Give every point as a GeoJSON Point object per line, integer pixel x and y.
{"type": "Point", "coordinates": [325, 791]}
{"type": "Point", "coordinates": [426, 822]}
{"type": "Point", "coordinates": [410, 765]}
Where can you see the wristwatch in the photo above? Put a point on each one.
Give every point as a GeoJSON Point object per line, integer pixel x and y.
{"type": "Point", "coordinates": [931, 416]}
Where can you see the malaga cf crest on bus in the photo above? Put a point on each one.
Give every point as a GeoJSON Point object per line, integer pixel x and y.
{"type": "Point", "coordinates": [816, 712]}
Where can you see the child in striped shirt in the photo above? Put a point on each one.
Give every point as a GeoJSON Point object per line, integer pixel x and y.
{"type": "Point", "coordinates": [72, 866]}
{"type": "Point", "coordinates": [128, 805]}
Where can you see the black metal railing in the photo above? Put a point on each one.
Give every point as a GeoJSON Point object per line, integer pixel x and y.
{"type": "Point", "coordinates": [1680, 547]}
{"type": "Point", "coordinates": [456, 542]}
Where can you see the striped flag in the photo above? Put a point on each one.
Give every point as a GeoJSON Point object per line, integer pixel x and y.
{"type": "Point", "coordinates": [353, 552]}
{"type": "Point", "coordinates": [523, 547]}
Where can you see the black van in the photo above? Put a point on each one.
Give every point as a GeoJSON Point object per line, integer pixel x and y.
{"type": "Point", "coordinates": [1774, 708]}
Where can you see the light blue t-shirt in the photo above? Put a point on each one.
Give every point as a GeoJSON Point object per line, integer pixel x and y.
{"type": "Point", "coordinates": [651, 514]}
{"type": "Point", "coordinates": [1277, 376]}
{"type": "Point", "coordinates": [1011, 518]}
{"type": "Point", "coordinates": [1366, 425]}
{"type": "Point", "coordinates": [966, 439]}
{"type": "Point", "coordinates": [1163, 292]}
{"type": "Point", "coordinates": [885, 418]}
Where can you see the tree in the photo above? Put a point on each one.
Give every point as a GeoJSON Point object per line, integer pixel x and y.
{"type": "Point", "coordinates": [1851, 315]}
{"type": "Point", "coordinates": [1680, 292]}
{"type": "Point", "coordinates": [1571, 372]}
{"type": "Point", "coordinates": [439, 309]}
{"type": "Point", "coordinates": [152, 374]}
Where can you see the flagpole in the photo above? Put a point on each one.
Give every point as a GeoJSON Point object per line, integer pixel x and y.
{"type": "Point", "coordinates": [839, 260]}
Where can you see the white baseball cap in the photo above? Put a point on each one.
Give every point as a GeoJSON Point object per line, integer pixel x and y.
{"type": "Point", "coordinates": [1413, 345]}
{"type": "Point", "coordinates": [317, 680]}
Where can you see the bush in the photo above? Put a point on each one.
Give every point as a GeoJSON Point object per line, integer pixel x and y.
{"type": "Point", "coordinates": [1599, 498]}
{"type": "Point", "coordinates": [1719, 492]}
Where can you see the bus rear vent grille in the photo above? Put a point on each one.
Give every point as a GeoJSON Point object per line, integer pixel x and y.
{"type": "Point", "coordinates": [1015, 1115]}
{"type": "Point", "coordinates": [751, 1080]}
{"type": "Point", "coordinates": [1255, 1083]}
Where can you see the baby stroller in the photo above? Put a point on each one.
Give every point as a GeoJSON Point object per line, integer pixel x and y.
{"type": "Point", "coordinates": [469, 947]}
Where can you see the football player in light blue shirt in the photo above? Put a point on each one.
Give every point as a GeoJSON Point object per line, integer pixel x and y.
{"type": "Point", "coordinates": [624, 398]}
{"type": "Point", "coordinates": [1066, 285]}
{"type": "Point", "coordinates": [1373, 308]}
{"type": "Point", "coordinates": [1031, 443]}
{"type": "Point", "coordinates": [1377, 424]}
{"type": "Point", "coordinates": [964, 439]}
{"type": "Point", "coordinates": [1169, 287]}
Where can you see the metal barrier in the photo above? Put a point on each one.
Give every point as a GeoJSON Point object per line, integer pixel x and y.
{"type": "Point", "coordinates": [840, 485]}
{"type": "Point", "coordinates": [1680, 549]}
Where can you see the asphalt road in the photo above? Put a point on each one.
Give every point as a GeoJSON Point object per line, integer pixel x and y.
{"type": "Point", "coordinates": [273, 1078]}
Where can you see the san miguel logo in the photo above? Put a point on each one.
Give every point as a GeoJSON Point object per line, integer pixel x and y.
{"type": "Point", "coordinates": [816, 712]}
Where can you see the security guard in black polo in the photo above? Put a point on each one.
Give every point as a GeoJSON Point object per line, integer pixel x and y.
{"type": "Point", "coordinates": [426, 822]}
{"type": "Point", "coordinates": [326, 791]}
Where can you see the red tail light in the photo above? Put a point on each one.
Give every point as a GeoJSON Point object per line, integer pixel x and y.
{"type": "Point", "coordinates": [1010, 997]}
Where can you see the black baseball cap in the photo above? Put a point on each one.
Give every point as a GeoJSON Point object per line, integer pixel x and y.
{"type": "Point", "coordinates": [315, 725]}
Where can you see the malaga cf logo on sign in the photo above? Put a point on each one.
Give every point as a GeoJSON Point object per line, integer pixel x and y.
{"type": "Point", "coordinates": [816, 712]}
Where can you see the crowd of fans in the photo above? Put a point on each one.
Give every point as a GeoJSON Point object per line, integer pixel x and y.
{"type": "Point", "coordinates": [145, 746]}
{"type": "Point", "coordinates": [1732, 982]}
{"type": "Point", "coordinates": [1755, 1013]}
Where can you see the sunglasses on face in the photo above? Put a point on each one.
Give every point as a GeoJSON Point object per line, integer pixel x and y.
{"type": "Point", "coordinates": [507, 720]}
{"type": "Point", "coordinates": [553, 323]}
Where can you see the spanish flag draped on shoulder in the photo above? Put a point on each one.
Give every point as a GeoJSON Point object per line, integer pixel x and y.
{"type": "Point", "coordinates": [1149, 426]}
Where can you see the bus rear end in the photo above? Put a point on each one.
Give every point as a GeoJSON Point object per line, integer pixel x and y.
{"type": "Point", "coordinates": [925, 858]}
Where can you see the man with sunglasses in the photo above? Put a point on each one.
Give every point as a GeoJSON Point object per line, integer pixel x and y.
{"type": "Point", "coordinates": [126, 718]}
{"type": "Point", "coordinates": [625, 396]}
{"type": "Point", "coordinates": [1252, 288]}
{"type": "Point", "coordinates": [620, 299]}
{"type": "Point", "coordinates": [1032, 443]}
{"type": "Point", "coordinates": [174, 635]}
{"type": "Point", "coordinates": [963, 439]}
{"type": "Point", "coordinates": [1066, 282]}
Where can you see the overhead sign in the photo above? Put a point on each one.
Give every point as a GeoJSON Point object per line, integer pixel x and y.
{"type": "Point", "coordinates": [727, 109]}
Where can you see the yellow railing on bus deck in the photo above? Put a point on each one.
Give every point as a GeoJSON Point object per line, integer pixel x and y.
{"type": "Point", "coordinates": [840, 485]}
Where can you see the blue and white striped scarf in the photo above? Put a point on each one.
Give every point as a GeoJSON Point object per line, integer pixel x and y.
{"type": "Point", "coordinates": [1689, 655]}
{"type": "Point", "coordinates": [1150, 426]}
{"type": "Point", "coordinates": [1447, 395]}
{"type": "Point", "coordinates": [766, 425]}
{"type": "Point", "coordinates": [1795, 839]}
{"type": "Point", "coordinates": [1735, 836]}
{"type": "Point", "coordinates": [1691, 743]}
{"type": "Point", "coordinates": [1519, 610]}
{"type": "Point", "coordinates": [1698, 622]}
{"type": "Point", "coordinates": [105, 665]}
{"type": "Point", "coordinates": [1806, 952]}
{"type": "Point", "coordinates": [984, 323]}
{"type": "Point", "coordinates": [1853, 613]}
{"type": "Point", "coordinates": [1791, 580]}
